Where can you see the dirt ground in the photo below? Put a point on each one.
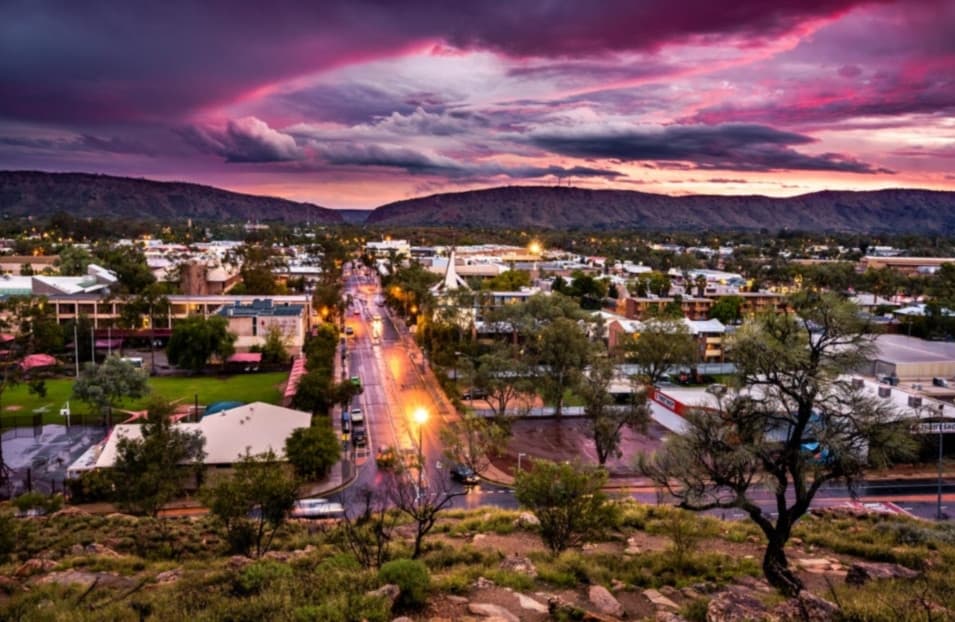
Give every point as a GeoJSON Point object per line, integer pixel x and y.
{"type": "Point", "coordinates": [568, 439]}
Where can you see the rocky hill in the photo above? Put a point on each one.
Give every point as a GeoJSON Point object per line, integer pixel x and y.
{"type": "Point", "coordinates": [29, 193]}
{"type": "Point", "coordinates": [911, 211]}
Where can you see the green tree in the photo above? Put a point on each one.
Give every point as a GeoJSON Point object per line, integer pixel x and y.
{"type": "Point", "coordinates": [73, 261]}
{"type": "Point", "coordinates": [149, 470]}
{"type": "Point", "coordinates": [107, 385]}
{"type": "Point", "coordinates": [661, 346]}
{"type": "Point", "coordinates": [129, 265]}
{"type": "Point", "coordinates": [504, 377]}
{"type": "Point", "coordinates": [473, 441]}
{"type": "Point", "coordinates": [195, 339]}
{"type": "Point", "coordinates": [727, 309]}
{"type": "Point", "coordinates": [259, 263]}
{"type": "Point", "coordinates": [252, 504]}
{"type": "Point", "coordinates": [273, 349]}
{"type": "Point", "coordinates": [313, 393]}
{"type": "Point", "coordinates": [808, 426]}
{"type": "Point", "coordinates": [567, 499]}
{"type": "Point", "coordinates": [562, 352]}
{"type": "Point", "coordinates": [508, 281]}
{"type": "Point", "coordinates": [605, 416]}
{"type": "Point", "coordinates": [412, 578]}
{"type": "Point", "coordinates": [312, 451]}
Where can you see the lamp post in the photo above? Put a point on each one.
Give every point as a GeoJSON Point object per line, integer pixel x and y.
{"type": "Point", "coordinates": [519, 457]}
{"type": "Point", "coordinates": [420, 417]}
{"type": "Point", "coordinates": [938, 508]}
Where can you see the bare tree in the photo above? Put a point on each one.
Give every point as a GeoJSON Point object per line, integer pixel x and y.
{"type": "Point", "coordinates": [421, 504]}
{"type": "Point", "coordinates": [473, 441]}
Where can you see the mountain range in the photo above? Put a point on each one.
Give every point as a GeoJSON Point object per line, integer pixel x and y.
{"type": "Point", "coordinates": [27, 193]}
{"type": "Point", "coordinates": [31, 193]}
{"type": "Point", "coordinates": [891, 211]}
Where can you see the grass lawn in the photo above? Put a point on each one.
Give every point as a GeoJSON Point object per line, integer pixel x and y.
{"type": "Point", "coordinates": [241, 388]}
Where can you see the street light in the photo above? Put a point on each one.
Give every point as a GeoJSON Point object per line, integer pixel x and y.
{"type": "Point", "coordinates": [941, 415]}
{"type": "Point", "coordinates": [519, 456]}
{"type": "Point", "coordinates": [420, 416]}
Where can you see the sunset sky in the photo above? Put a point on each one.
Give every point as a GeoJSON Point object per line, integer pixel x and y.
{"type": "Point", "coordinates": [357, 103]}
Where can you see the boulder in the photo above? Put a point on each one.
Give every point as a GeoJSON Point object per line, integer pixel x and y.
{"type": "Point", "coordinates": [531, 604]}
{"type": "Point", "coordinates": [402, 619]}
{"type": "Point", "coordinates": [659, 600]}
{"type": "Point", "coordinates": [34, 566]}
{"type": "Point", "coordinates": [238, 562]}
{"type": "Point", "coordinates": [169, 576]}
{"type": "Point", "coordinates": [488, 610]}
{"type": "Point", "coordinates": [601, 598]}
{"type": "Point", "coordinates": [388, 591]}
{"type": "Point", "coordinates": [736, 605]}
{"type": "Point", "coordinates": [861, 573]}
{"type": "Point", "coordinates": [668, 616]}
{"type": "Point", "coordinates": [8, 585]}
{"type": "Point", "coordinates": [102, 550]}
{"type": "Point", "coordinates": [527, 519]}
{"type": "Point", "coordinates": [519, 564]}
{"type": "Point", "coordinates": [806, 607]}
{"type": "Point", "coordinates": [562, 610]}
{"type": "Point", "coordinates": [632, 547]}
{"type": "Point", "coordinates": [483, 583]}
{"type": "Point", "coordinates": [86, 579]}
{"type": "Point", "coordinates": [457, 600]}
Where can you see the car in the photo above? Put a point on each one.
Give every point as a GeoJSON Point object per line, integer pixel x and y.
{"type": "Point", "coordinates": [357, 417]}
{"type": "Point", "coordinates": [359, 438]}
{"type": "Point", "coordinates": [357, 311]}
{"type": "Point", "coordinates": [356, 380]}
{"type": "Point", "coordinates": [316, 508]}
{"type": "Point", "coordinates": [349, 330]}
{"type": "Point", "coordinates": [474, 393]}
{"type": "Point", "coordinates": [464, 474]}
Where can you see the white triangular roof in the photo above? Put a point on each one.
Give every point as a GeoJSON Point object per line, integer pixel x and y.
{"type": "Point", "coordinates": [451, 280]}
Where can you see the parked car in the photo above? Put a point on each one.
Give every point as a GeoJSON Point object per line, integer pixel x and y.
{"type": "Point", "coordinates": [359, 438]}
{"type": "Point", "coordinates": [349, 330]}
{"type": "Point", "coordinates": [464, 474]}
{"type": "Point", "coordinates": [474, 393]}
{"type": "Point", "coordinates": [357, 417]}
{"type": "Point", "coordinates": [355, 380]}
{"type": "Point", "coordinates": [316, 508]}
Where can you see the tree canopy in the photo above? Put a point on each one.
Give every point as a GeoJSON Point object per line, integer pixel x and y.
{"type": "Point", "coordinates": [106, 385]}
{"type": "Point", "coordinates": [661, 346]}
{"type": "Point", "coordinates": [195, 339]}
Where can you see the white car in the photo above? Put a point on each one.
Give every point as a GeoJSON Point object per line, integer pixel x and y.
{"type": "Point", "coordinates": [316, 508]}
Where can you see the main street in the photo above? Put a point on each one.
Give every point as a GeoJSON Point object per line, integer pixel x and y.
{"type": "Point", "coordinates": [396, 382]}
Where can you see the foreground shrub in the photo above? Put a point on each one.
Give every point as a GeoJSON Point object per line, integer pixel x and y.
{"type": "Point", "coordinates": [412, 577]}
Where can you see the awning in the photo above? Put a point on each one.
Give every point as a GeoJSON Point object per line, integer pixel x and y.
{"type": "Point", "coordinates": [37, 360]}
{"type": "Point", "coordinates": [109, 343]}
{"type": "Point", "coordinates": [298, 370]}
{"type": "Point", "coordinates": [245, 357]}
{"type": "Point", "coordinates": [6, 337]}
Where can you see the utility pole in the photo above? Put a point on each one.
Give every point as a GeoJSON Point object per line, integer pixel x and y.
{"type": "Point", "coordinates": [76, 348]}
{"type": "Point", "coordinates": [941, 438]}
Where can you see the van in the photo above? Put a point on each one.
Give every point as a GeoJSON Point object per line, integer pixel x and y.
{"type": "Point", "coordinates": [346, 422]}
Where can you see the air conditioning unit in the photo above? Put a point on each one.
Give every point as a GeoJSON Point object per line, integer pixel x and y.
{"type": "Point", "coordinates": [885, 391]}
{"type": "Point", "coordinates": [857, 383]}
{"type": "Point", "coordinates": [915, 401]}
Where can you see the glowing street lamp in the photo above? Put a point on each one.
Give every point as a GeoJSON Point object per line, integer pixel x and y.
{"type": "Point", "coordinates": [534, 248]}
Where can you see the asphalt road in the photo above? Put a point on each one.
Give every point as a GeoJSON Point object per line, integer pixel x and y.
{"type": "Point", "coordinates": [391, 369]}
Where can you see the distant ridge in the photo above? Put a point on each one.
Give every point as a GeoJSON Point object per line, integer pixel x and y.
{"type": "Point", "coordinates": [38, 194]}
{"type": "Point", "coordinates": [878, 211]}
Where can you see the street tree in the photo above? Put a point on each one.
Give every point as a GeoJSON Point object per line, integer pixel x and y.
{"type": "Point", "coordinates": [150, 468]}
{"type": "Point", "coordinates": [313, 450]}
{"type": "Point", "coordinates": [105, 386]}
{"type": "Point", "coordinates": [796, 423]}
{"type": "Point", "coordinates": [253, 503]}
{"type": "Point", "coordinates": [607, 418]}
{"type": "Point", "coordinates": [195, 339]}
{"type": "Point", "coordinates": [258, 264]}
{"type": "Point", "coordinates": [313, 392]}
{"type": "Point", "coordinates": [473, 441]}
{"type": "Point", "coordinates": [567, 499]}
{"type": "Point", "coordinates": [661, 346]}
{"type": "Point", "coordinates": [505, 379]}
{"type": "Point", "coordinates": [561, 352]}
{"type": "Point", "coordinates": [129, 265]}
